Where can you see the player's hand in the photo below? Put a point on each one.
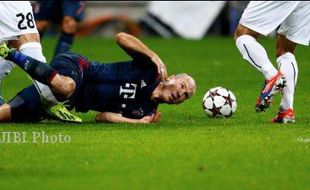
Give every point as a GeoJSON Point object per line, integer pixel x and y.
{"type": "Point", "coordinates": [152, 118]}
{"type": "Point", "coordinates": [161, 67]}
{"type": "Point", "coordinates": [157, 117]}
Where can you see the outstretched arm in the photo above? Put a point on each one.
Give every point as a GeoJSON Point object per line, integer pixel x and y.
{"type": "Point", "coordinates": [137, 50]}
{"type": "Point", "coordinates": [118, 118]}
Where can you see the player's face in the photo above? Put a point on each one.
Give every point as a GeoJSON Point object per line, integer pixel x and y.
{"type": "Point", "coordinates": [178, 88]}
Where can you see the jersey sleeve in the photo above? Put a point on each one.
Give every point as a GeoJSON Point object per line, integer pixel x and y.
{"type": "Point", "coordinates": [138, 112]}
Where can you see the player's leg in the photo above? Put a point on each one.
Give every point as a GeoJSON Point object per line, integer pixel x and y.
{"type": "Point", "coordinates": [29, 44]}
{"type": "Point", "coordinates": [5, 68]}
{"type": "Point", "coordinates": [15, 20]}
{"type": "Point", "coordinates": [25, 106]}
{"type": "Point", "coordinates": [254, 52]}
{"type": "Point", "coordinates": [59, 84]}
{"type": "Point", "coordinates": [63, 85]}
{"type": "Point", "coordinates": [256, 55]}
{"type": "Point", "coordinates": [37, 68]}
{"type": "Point", "coordinates": [72, 15]}
{"type": "Point", "coordinates": [262, 18]}
{"type": "Point", "coordinates": [288, 65]}
{"type": "Point", "coordinates": [20, 30]}
{"type": "Point", "coordinates": [294, 30]}
{"type": "Point", "coordinates": [66, 65]}
{"type": "Point", "coordinates": [66, 38]}
{"type": "Point", "coordinates": [39, 71]}
{"type": "Point", "coordinates": [44, 12]}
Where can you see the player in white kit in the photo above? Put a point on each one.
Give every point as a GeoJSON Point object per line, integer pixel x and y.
{"type": "Point", "coordinates": [261, 18]}
{"type": "Point", "coordinates": [17, 27]}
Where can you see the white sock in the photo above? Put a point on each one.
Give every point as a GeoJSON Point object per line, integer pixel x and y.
{"type": "Point", "coordinates": [256, 55]}
{"type": "Point", "coordinates": [34, 50]}
{"type": "Point", "coordinates": [5, 67]}
{"type": "Point", "coordinates": [288, 66]}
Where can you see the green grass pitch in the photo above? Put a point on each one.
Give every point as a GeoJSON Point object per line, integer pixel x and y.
{"type": "Point", "coordinates": [185, 150]}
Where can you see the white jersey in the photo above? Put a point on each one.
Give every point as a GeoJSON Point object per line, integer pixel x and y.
{"type": "Point", "coordinates": [16, 18]}
{"type": "Point", "coordinates": [293, 17]}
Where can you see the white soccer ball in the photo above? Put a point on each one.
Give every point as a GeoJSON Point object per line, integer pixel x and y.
{"type": "Point", "coordinates": [219, 102]}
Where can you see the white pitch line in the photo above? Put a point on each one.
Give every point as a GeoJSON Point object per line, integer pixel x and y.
{"type": "Point", "coordinates": [303, 140]}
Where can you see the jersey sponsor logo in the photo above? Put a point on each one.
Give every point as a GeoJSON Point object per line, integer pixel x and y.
{"type": "Point", "coordinates": [128, 91]}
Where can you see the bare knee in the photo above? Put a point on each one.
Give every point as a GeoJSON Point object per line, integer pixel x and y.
{"type": "Point", "coordinates": [242, 30]}
{"type": "Point", "coordinates": [69, 86]}
{"type": "Point", "coordinates": [69, 25]}
{"type": "Point", "coordinates": [25, 38]}
{"type": "Point", "coordinates": [284, 45]}
{"type": "Point", "coordinates": [63, 85]}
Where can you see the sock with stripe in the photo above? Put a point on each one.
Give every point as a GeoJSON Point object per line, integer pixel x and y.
{"type": "Point", "coordinates": [37, 70]}
{"type": "Point", "coordinates": [288, 65]}
{"type": "Point", "coordinates": [256, 55]}
{"type": "Point", "coordinates": [34, 50]}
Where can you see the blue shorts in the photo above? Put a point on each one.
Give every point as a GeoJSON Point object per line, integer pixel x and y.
{"type": "Point", "coordinates": [56, 10]}
{"type": "Point", "coordinates": [27, 106]}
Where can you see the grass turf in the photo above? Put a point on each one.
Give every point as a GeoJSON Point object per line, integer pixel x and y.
{"type": "Point", "coordinates": [186, 150]}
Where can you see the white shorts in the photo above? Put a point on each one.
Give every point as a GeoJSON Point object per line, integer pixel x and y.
{"type": "Point", "coordinates": [293, 17]}
{"type": "Point", "coordinates": [16, 18]}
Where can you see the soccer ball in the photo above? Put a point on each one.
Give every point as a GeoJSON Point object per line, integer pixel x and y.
{"type": "Point", "coordinates": [219, 102]}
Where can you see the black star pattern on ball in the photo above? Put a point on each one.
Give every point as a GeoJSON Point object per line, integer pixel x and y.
{"type": "Point", "coordinates": [215, 111]}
